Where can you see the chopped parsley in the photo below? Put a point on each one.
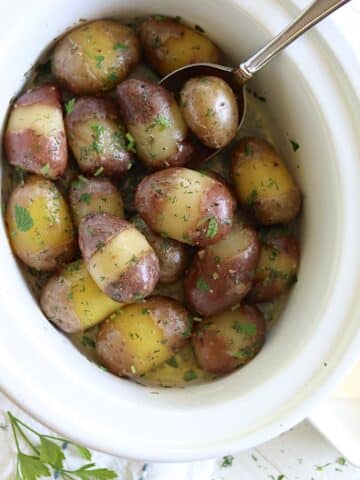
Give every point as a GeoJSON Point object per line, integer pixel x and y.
{"type": "Point", "coordinates": [69, 105]}
{"type": "Point", "coordinates": [45, 170]}
{"type": "Point", "coordinates": [120, 46]}
{"type": "Point", "coordinates": [249, 329]}
{"type": "Point", "coordinates": [113, 77]}
{"type": "Point", "coordinates": [341, 461]}
{"type": "Point", "coordinates": [190, 375]}
{"type": "Point", "coordinates": [130, 143]}
{"type": "Point", "coordinates": [210, 112]}
{"type": "Point", "coordinates": [23, 218]}
{"type": "Point", "coordinates": [294, 145]}
{"type": "Point", "coordinates": [88, 341]}
{"type": "Point", "coordinates": [202, 285]}
{"type": "Point", "coordinates": [99, 61]}
{"type": "Point", "coordinates": [85, 198]}
{"type": "Point", "coordinates": [172, 362]}
{"type": "Point", "coordinates": [212, 228]}
{"type": "Point", "coordinates": [161, 122]}
{"type": "Point", "coordinates": [98, 171]}
{"type": "Point", "coordinates": [227, 461]}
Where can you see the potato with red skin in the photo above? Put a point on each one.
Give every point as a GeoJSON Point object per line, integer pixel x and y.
{"type": "Point", "coordinates": [221, 274]}
{"type": "Point", "coordinates": [168, 45]}
{"type": "Point", "coordinates": [34, 138]}
{"type": "Point", "coordinates": [186, 205]}
{"type": "Point", "coordinates": [263, 184]}
{"type": "Point", "coordinates": [120, 260]}
{"type": "Point", "coordinates": [277, 267]}
{"type": "Point", "coordinates": [96, 137]}
{"type": "Point", "coordinates": [73, 302]}
{"type": "Point", "coordinates": [210, 109]}
{"type": "Point", "coordinates": [39, 224]}
{"type": "Point", "coordinates": [94, 195]}
{"type": "Point", "coordinates": [228, 340]}
{"type": "Point", "coordinates": [142, 336]}
{"type": "Point", "coordinates": [173, 255]}
{"type": "Point", "coordinates": [154, 119]}
{"type": "Point", "coordinates": [95, 57]}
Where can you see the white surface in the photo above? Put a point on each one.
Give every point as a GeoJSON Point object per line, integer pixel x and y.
{"type": "Point", "coordinates": [311, 100]}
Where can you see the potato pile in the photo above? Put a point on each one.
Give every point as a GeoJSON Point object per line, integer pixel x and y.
{"type": "Point", "coordinates": [115, 203]}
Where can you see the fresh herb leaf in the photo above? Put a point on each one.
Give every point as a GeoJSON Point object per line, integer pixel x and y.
{"type": "Point", "coordinates": [99, 61]}
{"type": "Point", "coordinates": [159, 121]}
{"type": "Point", "coordinates": [210, 112]}
{"type": "Point", "coordinates": [85, 198]}
{"type": "Point", "coordinates": [99, 171]}
{"type": "Point", "coordinates": [202, 285]}
{"type": "Point", "coordinates": [88, 341]}
{"type": "Point", "coordinates": [51, 453]}
{"type": "Point", "coordinates": [113, 77]}
{"type": "Point", "coordinates": [294, 145]}
{"type": "Point", "coordinates": [341, 461]}
{"type": "Point", "coordinates": [212, 228]}
{"type": "Point", "coordinates": [227, 461]}
{"type": "Point", "coordinates": [130, 143]}
{"type": "Point", "coordinates": [84, 452]}
{"type": "Point", "coordinates": [190, 375]}
{"type": "Point", "coordinates": [320, 468]}
{"type": "Point", "coordinates": [87, 472]}
{"type": "Point", "coordinates": [19, 176]}
{"type": "Point", "coordinates": [31, 467]}
{"type": "Point", "coordinates": [249, 329]}
{"type": "Point", "coordinates": [69, 105]}
{"type": "Point", "coordinates": [172, 362]}
{"type": "Point", "coordinates": [23, 218]}
{"type": "Point", "coordinates": [45, 170]}
{"type": "Point", "coordinates": [120, 46]}
{"type": "Point", "coordinates": [249, 152]}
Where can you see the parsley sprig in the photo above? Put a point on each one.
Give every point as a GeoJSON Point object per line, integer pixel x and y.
{"type": "Point", "coordinates": [46, 459]}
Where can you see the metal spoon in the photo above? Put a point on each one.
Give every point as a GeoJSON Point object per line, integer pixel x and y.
{"type": "Point", "coordinates": [237, 77]}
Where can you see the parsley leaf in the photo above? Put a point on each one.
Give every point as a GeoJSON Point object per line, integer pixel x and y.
{"type": "Point", "coordinates": [120, 46]}
{"type": "Point", "coordinates": [212, 228]}
{"type": "Point", "coordinates": [69, 105]}
{"type": "Point", "coordinates": [51, 453]}
{"type": "Point", "coordinates": [249, 329]}
{"type": "Point", "coordinates": [87, 472]}
{"type": "Point", "coordinates": [99, 60]}
{"type": "Point", "coordinates": [130, 143]}
{"type": "Point", "coordinates": [31, 467]}
{"type": "Point", "coordinates": [23, 218]}
{"type": "Point", "coordinates": [85, 198]}
{"type": "Point", "coordinates": [172, 362]}
{"type": "Point", "coordinates": [227, 461]}
{"type": "Point", "coordinates": [84, 452]}
{"type": "Point", "coordinates": [98, 171]}
{"type": "Point", "coordinates": [294, 145]}
{"type": "Point", "coordinates": [88, 342]}
{"type": "Point", "coordinates": [202, 285]}
{"type": "Point", "coordinates": [190, 375]}
{"type": "Point", "coordinates": [45, 170]}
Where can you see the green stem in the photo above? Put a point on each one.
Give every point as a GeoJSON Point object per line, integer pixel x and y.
{"type": "Point", "coordinates": [14, 433]}
{"type": "Point", "coordinates": [27, 441]}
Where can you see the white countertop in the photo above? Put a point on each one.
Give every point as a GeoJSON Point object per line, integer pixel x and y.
{"type": "Point", "coordinates": [302, 453]}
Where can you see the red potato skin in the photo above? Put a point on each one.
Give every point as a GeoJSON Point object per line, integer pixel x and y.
{"type": "Point", "coordinates": [97, 109]}
{"type": "Point", "coordinates": [31, 151]}
{"type": "Point", "coordinates": [213, 353]}
{"type": "Point", "coordinates": [264, 289]}
{"type": "Point", "coordinates": [140, 102]}
{"type": "Point", "coordinates": [229, 281]}
{"type": "Point", "coordinates": [217, 202]}
{"type": "Point", "coordinates": [95, 231]}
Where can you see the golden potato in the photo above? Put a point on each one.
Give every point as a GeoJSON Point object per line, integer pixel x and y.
{"type": "Point", "coordinates": [210, 109]}
{"type": "Point", "coordinates": [143, 335]}
{"type": "Point", "coordinates": [94, 195]}
{"type": "Point", "coordinates": [72, 300]}
{"type": "Point", "coordinates": [230, 339]}
{"type": "Point", "coordinates": [95, 57]}
{"type": "Point", "coordinates": [277, 269]}
{"type": "Point", "coordinates": [221, 274]}
{"type": "Point", "coordinates": [186, 205]}
{"type": "Point", "coordinates": [118, 257]}
{"type": "Point", "coordinates": [173, 256]}
{"type": "Point", "coordinates": [35, 138]}
{"type": "Point", "coordinates": [39, 225]}
{"type": "Point", "coordinates": [154, 119]}
{"type": "Point", "coordinates": [96, 137]}
{"type": "Point", "coordinates": [263, 183]}
{"type": "Point", "coordinates": [169, 45]}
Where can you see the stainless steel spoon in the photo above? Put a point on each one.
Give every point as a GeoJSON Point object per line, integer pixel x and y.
{"type": "Point", "coordinates": [237, 77]}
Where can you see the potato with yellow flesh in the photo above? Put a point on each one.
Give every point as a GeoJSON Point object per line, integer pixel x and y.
{"type": "Point", "coordinates": [120, 260]}
{"type": "Point", "coordinates": [94, 195]}
{"type": "Point", "coordinates": [228, 340]}
{"type": "Point", "coordinates": [180, 370]}
{"type": "Point", "coordinates": [154, 119]}
{"type": "Point", "coordinates": [142, 336]}
{"type": "Point", "coordinates": [173, 255]}
{"type": "Point", "coordinates": [168, 44]}
{"type": "Point", "coordinates": [186, 205]}
{"type": "Point", "coordinates": [34, 138]}
{"type": "Point", "coordinates": [221, 274]}
{"type": "Point", "coordinates": [210, 109]}
{"type": "Point", "coordinates": [278, 264]}
{"type": "Point", "coordinates": [97, 138]}
{"type": "Point", "coordinates": [72, 300]}
{"type": "Point", "coordinates": [263, 183]}
{"type": "Point", "coordinates": [95, 57]}
{"type": "Point", "coordinates": [39, 225]}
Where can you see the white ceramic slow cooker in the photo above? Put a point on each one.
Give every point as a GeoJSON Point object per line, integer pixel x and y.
{"type": "Point", "coordinates": [311, 93]}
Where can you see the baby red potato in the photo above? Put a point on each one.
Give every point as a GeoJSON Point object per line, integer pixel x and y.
{"type": "Point", "coordinates": [186, 205]}
{"type": "Point", "coordinates": [118, 257]}
{"type": "Point", "coordinates": [34, 138]}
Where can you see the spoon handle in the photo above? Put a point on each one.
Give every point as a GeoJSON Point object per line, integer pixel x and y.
{"type": "Point", "coordinates": [309, 17]}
